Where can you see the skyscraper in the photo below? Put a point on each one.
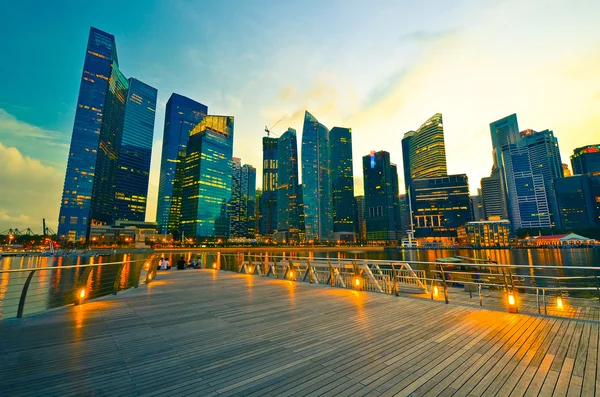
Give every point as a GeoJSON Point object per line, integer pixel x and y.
{"type": "Point", "coordinates": [342, 183]}
{"type": "Point", "coordinates": [182, 115]}
{"type": "Point", "coordinates": [442, 205]}
{"type": "Point", "coordinates": [207, 175]}
{"type": "Point", "coordinates": [478, 213]}
{"type": "Point", "coordinates": [577, 201]}
{"type": "Point", "coordinates": [288, 203]}
{"type": "Point", "coordinates": [235, 207]}
{"type": "Point", "coordinates": [492, 196]}
{"type": "Point", "coordinates": [316, 182]}
{"type": "Point", "coordinates": [91, 178]}
{"type": "Point", "coordinates": [268, 204]}
{"type": "Point", "coordinates": [424, 151]}
{"type": "Point", "coordinates": [249, 199]}
{"type": "Point", "coordinates": [243, 192]}
{"type": "Point", "coordinates": [381, 197]}
{"type": "Point", "coordinates": [361, 226]}
{"type": "Point", "coordinates": [136, 150]}
{"type": "Point", "coordinates": [586, 160]}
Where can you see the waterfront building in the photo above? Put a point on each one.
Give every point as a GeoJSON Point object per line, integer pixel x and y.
{"type": "Point", "coordinates": [586, 160]}
{"type": "Point", "coordinates": [528, 205]}
{"type": "Point", "coordinates": [269, 191]}
{"type": "Point", "coordinates": [207, 179]}
{"type": "Point", "coordinates": [578, 201]}
{"type": "Point", "coordinates": [442, 205]}
{"type": "Point", "coordinates": [248, 199]}
{"type": "Point", "coordinates": [560, 240]}
{"type": "Point", "coordinates": [182, 115]}
{"type": "Point", "coordinates": [316, 180]}
{"type": "Point", "coordinates": [133, 170]}
{"type": "Point", "coordinates": [485, 234]}
{"type": "Point", "coordinates": [566, 170]}
{"type": "Point", "coordinates": [382, 209]}
{"type": "Point", "coordinates": [89, 189]}
{"type": "Point", "coordinates": [257, 212]}
{"type": "Point", "coordinates": [288, 203]}
{"type": "Point", "coordinates": [492, 196]}
{"type": "Point", "coordinates": [404, 210]}
{"type": "Point", "coordinates": [342, 183]}
{"type": "Point", "coordinates": [361, 225]}
{"type": "Point", "coordinates": [477, 207]}
{"type": "Point", "coordinates": [235, 207]}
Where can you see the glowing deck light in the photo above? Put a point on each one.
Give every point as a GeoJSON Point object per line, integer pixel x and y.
{"type": "Point", "coordinates": [436, 291]}
{"type": "Point", "coordinates": [357, 281]}
{"type": "Point", "coordinates": [291, 274]}
{"type": "Point", "coordinates": [559, 302]}
{"type": "Point", "coordinates": [82, 293]}
{"type": "Point", "coordinates": [214, 265]}
{"type": "Point", "coordinates": [512, 303]}
{"type": "Point", "coordinates": [149, 276]}
{"type": "Point", "coordinates": [511, 299]}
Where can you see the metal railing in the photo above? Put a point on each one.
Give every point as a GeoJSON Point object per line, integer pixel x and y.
{"type": "Point", "coordinates": [572, 291]}
{"type": "Point", "coordinates": [34, 290]}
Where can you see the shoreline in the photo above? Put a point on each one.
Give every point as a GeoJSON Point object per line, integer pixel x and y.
{"type": "Point", "coordinates": [276, 249]}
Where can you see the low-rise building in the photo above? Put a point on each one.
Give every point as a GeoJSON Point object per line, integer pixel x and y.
{"type": "Point", "coordinates": [485, 234]}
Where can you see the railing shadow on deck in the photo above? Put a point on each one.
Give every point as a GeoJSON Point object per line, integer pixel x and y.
{"type": "Point", "coordinates": [35, 290]}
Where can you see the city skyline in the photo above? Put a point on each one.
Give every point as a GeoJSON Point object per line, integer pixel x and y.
{"type": "Point", "coordinates": [374, 105]}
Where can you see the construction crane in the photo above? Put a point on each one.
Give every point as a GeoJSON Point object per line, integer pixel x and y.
{"type": "Point", "coordinates": [268, 130]}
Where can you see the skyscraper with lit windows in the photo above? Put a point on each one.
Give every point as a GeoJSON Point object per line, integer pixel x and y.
{"type": "Point", "coordinates": [586, 160]}
{"type": "Point", "coordinates": [207, 179]}
{"type": "Point", "coordinates": [268, 203]}
{"type": "Point", "coordinates": [182, 115]}
{"type": "Point", "coordinates": [342, 183]}
{"type": "Point", "coordinates": [288, 202]}
{"type": "Point", "coordinates": [316, 182]}
{"type": "Point", "coordinates": [103, 124]}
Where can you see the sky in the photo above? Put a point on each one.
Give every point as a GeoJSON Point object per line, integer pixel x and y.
{"type": "Point", "coordinates": [380, 67]}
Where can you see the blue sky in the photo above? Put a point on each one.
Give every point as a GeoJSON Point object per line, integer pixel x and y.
{"type": "Point", "coordinates": [381, 68]}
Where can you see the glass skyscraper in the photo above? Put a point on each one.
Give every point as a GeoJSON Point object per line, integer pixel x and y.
{"type": "Point", "coordinates": [98, 133]}
{"type": "Point", "coordinates": [268, 203]}
{"type": "Point", "coordinates": [316, 182]}
{"type": "Point", "coordinates": [136, 150]}
{"type": "Point", "coordinates": [288, 203]}
{"type": "Point", "coordinates": [342, 182]}
{"type": "Point", "coordinates": [207, 179]}
{"type": "Point", "coordinates": [578, 201]}
{"type": "Point", "coordinates": [425, 150]}
{"type": "Point", "coordinates": [381, 203]}
{"type": "Point", "coordinates": [182, 115]}
{"type": "Point", "coordinates": [586, 160]}
{"type": "Point", "coordinates": [243, 191]}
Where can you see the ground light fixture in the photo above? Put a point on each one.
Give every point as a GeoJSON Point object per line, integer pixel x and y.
{"type": "Point", "coordinates": [436, 291]}
{"type": "Point", "coordinates": [291, 274]}
{"type": "Point", "coordinates": [559, 302]}
{"type": "Point", "coordinates": [512, 303]}
{"type": "Point", "coordinates": [214, 265]}
{"type": "Point", "coordinates": [357, 282]}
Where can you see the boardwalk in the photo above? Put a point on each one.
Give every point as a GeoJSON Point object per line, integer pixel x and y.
{"type": "Point", "coordinates": [216, 333]}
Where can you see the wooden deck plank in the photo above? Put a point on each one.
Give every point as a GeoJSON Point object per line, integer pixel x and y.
{"type": "Point", "coordinates": [218, 333]}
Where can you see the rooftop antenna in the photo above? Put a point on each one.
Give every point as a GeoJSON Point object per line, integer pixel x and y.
{"type": "Point", "coordinates": [268, 130]}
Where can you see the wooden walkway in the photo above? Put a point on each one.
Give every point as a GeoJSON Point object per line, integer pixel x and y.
{"type": "Point", "coordinates": [199, 332]}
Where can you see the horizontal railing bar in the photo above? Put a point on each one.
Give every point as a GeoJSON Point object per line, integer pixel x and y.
{"type": "Point", "coordinates": [70, 266]}
{"type": "Point", "coordinates": [516, 275]}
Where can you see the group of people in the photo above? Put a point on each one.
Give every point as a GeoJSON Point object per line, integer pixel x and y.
{"type": "Point", "coordinates": [164, 264]}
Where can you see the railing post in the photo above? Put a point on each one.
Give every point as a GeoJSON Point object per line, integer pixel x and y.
{"type": "Point", "coordinates": [544, 298]}
{"type": "Point", "coordinates": [480, 296]}
{"type": "Point", "coordinates": [597, 286]}
{"type": "Point", "coordinates": [118, 276]}
{"type": "Point", "coordinates": [445, 284]}
{"type": "Point", "coordinates": [537, 300]}
{"type": "Point", "coordinates": [24, 294]}
{"type": "Point", "coordinates": [395, 281]}
{"type": "Point", "coordinates": [331, 273]}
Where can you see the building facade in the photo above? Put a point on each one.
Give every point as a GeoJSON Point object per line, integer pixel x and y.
{"type": "Point", "coordinates": [133, 170]}
{"type": "Point", "coordinates": [485, 234]}
{"type": "Point", "coordinates": [207, 179]}
{"type": "Point", "coordinates": [578, 201]}
{"type": "Point", "coordinates": [586, 160]}
{"type": "Point", "coordinates": [382, 207]}
{"type": "Point", "coordinates": [342, 183]}
{"type": "Point", "coordinates": [288, 195]}
{"type": "Point", "coordinates": [442, 205]}
{"type": "Point", "coordinates": [361, 225]}
{"type": "Point", "coordinates": [268, 204]}
{"type": "Point", "coordinates": [477, 207]}
{"type": "Point", "coordinates": [316, 180]}
{"type": "Point", "coordinates": [182, 115]}
{"type": "Point", "coordinates": [93, 193]}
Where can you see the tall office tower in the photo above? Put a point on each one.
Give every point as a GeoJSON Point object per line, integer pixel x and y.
{"type": "Point", "coordinates": [316, 180]}
{"type": "Point", "coordinates": [182, 115]}
{"type": "Point", "coordinates": [89, 188]}
{"type": "Point", "coordinates": [342, 183]}
{"type": "Point", "coordinates": [249, 199]}
{"type": "Point", "coordinates": [268, 204]}
{"type": "Point", "coordinates": [577, 201]}
{"type": "Point", "coordinates": [477, 207]}
{"type": "Point", "coordinates": [406, 141]}
{"type": "Point", "coordinates": [381, 197]}
{"type": "Point", "coordinates": [288, 208]}
{"type": "Point", "coordinates": [207, 179]}
{"type": "Point", "coordinates": [545, 161]}
{"type": "Point", "coordinates": [492, 197]}
{"type": "Point", "coordinates": [503, 132]}
{"type": "Point", "coordinates": [133, 169]}
{"type": "Point", "coordinates": [566, 170]}
{"type": "Point", "coordinates": [404, 215]}
{"type": "Point", "coordinates": [235, 206]}
{"type": "Point", "coordinates": [586, 160]}
{"type": "Point", "coordinates": [442, 205]}
{"type": "Point", "coordinates": [361, 226]}
{"type": "Point", "coordinates": [257, 212]}
{"type": "Point", "coordinates": [528, 201]}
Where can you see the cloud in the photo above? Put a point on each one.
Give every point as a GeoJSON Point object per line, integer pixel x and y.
{"type": "Point", "coordinates": [30, 191]}
{"type": "Point", "coordinates": [9, 125]}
